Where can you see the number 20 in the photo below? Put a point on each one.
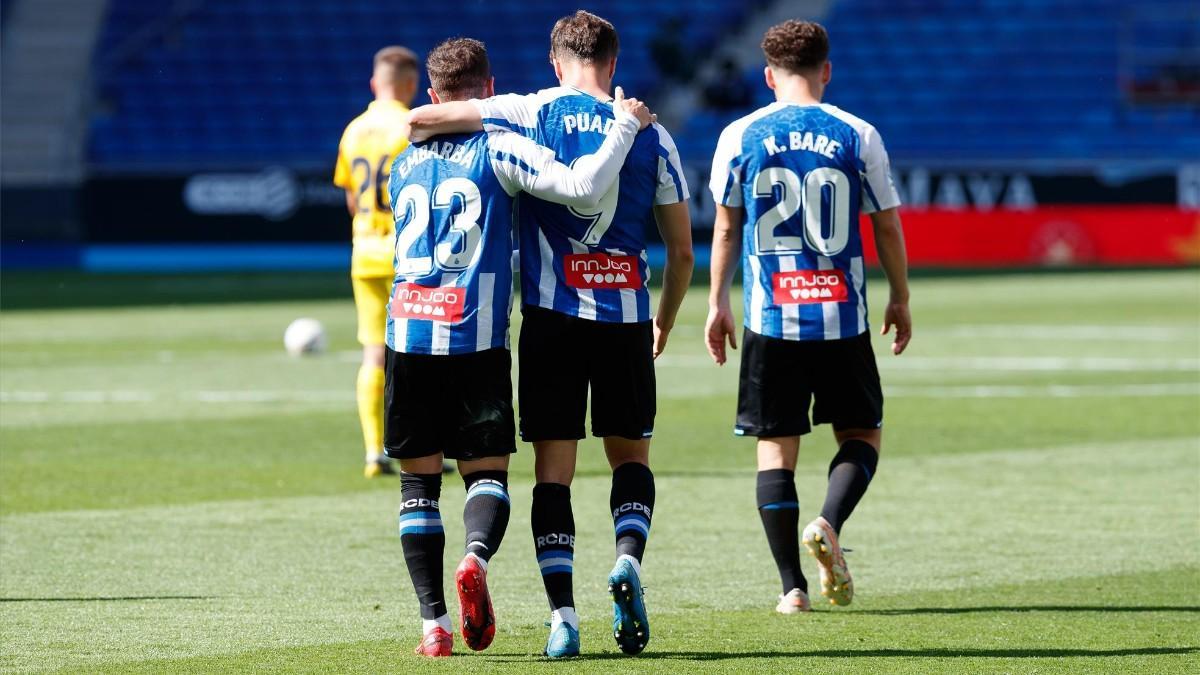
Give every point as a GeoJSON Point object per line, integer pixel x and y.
{"type": "Point", "coordinates": [450, 255]}
{"type": "Point", "coordinates": [794, 197]}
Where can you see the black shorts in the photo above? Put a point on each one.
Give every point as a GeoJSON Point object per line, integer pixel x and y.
{"type": "Point", "coordinates": [779, 378]}
{"type": "Point", "coordinates": [459, 405]}
{"type": "Point", "coordinates": [561, 355]}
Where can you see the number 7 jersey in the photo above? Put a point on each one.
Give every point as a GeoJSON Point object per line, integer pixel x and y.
{"type": "Point", "coordinates": [590, 263]}
{"type": "Point", "coordinates": [803, 173]}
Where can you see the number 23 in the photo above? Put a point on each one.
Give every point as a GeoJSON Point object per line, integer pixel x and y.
{"type": "Point", "coordinates": [460, 249]}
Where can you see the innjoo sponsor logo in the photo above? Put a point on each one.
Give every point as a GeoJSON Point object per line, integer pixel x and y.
{"type": "Point", "coordinates": [444, 304]}
{"type": "Point", "coordinates": [808, 286]}
{"type": "Point", "coordinates": [600, 270]}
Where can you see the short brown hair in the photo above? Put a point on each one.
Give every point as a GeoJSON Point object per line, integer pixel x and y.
{"type": "Point", "coordinates": [401, 62]}
{"type": "Point", "coordinates": [459, 66]}
{"type": "Point", "coordinates": [584, 36]}
{"type": "Point", "coordinates": [796, 46]}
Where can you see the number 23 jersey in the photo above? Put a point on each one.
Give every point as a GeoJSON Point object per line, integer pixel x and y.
{"type": "Point", "coordinates": [803, 173]}
{"type": "Point", "coordinates": [452, 198]}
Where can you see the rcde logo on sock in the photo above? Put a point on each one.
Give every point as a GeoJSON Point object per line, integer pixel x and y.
{"type": "Point", "coordinates": [418, 503]}
{"type": "Point", "coordinates": [631, 507]}
{"type": "Point", "coordinates": [556, 538]}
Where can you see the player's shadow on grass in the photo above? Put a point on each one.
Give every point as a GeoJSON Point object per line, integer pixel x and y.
{"type": "Point", "coordinates": [936, 653]}
{"type": "Point", "coordinates": [874, 653]}
{"type": "Point", "coordinates": [112, 598]}
{"type": "Point", "coordinates": [1028, 608]}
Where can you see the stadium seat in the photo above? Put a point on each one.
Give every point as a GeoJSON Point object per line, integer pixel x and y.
{"type": "Point", "coordinates": [940, 79]}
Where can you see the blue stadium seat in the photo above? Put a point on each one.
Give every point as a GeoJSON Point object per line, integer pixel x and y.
{"type": "Point", "coordinates": [250, 84]}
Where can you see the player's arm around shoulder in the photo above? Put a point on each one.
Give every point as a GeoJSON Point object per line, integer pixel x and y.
{"type": "Point", "coordinates": [452, 117]}
{"type": "Point", "coordinates": [511, 112]}
{"type": "Point", "coordinates": [521, 164]}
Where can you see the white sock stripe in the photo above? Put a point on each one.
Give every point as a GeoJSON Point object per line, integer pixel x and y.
{"type": "Point", "coordinates": [421, 521]}
{"type": "Point", "coordinates": [493, 491]}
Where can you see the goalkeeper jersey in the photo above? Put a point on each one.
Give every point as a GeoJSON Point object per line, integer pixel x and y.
{"type": "Point", "coordinates": [369, 144]}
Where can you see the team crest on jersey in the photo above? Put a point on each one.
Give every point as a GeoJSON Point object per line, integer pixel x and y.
{"type": "Point", "coordinates": [600, 270]}
{"type": "Point", "coordinates": [443, 304]}
{"type": "Point", "coordinates": [805, 287]}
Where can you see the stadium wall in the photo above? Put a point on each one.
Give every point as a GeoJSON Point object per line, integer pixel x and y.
{"type": "Point", "coordinates": [279, 218]}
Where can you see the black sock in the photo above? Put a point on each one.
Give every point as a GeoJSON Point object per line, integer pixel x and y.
{"type": "Point", "coordinates": [485, 512]}
{"type": "Point", "coordinates": [422, 539]}
{"type": "Point", "coordinates": [849, 474]}
{"type": "Point", "coordinates": [631, 501]}
{"type": "Point", "coordinates": [554, 541]}
{"type": "Point", "coordinates": [779, 508]}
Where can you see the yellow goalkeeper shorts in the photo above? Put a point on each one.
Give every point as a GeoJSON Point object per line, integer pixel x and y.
{"type": "Point", "coordinates": [371, 298]}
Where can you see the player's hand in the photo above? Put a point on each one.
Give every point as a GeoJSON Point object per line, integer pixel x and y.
{"type": "Point", "coordinates": [413, 134]}
{"type": "Point", "coordinates": [632, 106]}
{"type": "Point", "coordinates": [717, 329]}
{"type": "Point", "coordinates": [897, 315]}
{"type": "Point", "coordinates": [406, 131]}
{"type": "Point", "coordinates": [661, 333]}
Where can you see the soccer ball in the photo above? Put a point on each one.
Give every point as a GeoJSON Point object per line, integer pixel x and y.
{"type": "Point", "coordinates": [304, 336]}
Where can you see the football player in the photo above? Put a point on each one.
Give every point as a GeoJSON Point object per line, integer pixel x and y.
{"type": "Point", "coordinates": [368, 146]}
{"type": "Point", "coordinates": [587, 317]}
{"type": "Point", "coordinates": [449, 388]}
{"type": "Point", "coordinates": [789, 181]}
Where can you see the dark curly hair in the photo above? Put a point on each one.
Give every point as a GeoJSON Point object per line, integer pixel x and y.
{"type": "Point", "coordinates": [796, 46]}
{"type": "Point", "coordinates": [584, 36]}
{"type": "Point", "coordinates": [459, 66]}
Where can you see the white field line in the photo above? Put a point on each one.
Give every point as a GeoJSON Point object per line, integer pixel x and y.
{"type": "Point", "coordinates": [1048, 391]}
{"type": "Point", "coordinates": [996, 363]}
{"type": "Point", "coordinates": [1071, 332]}
{"type": "Point", "coordinates": [201, 396]}
{"type": "Point", "coordinates": [347, 396]}
{"type": "Point", "coordinates": [1041, 363]}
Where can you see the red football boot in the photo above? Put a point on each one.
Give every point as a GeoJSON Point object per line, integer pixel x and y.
{"type": "Point", "coordinates": [477, 619]}
{"type": "Point", "coordinates": [436, 643]}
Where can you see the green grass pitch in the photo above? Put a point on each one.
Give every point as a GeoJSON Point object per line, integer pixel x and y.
{"type": "Point", "coordinates": [177, 495]}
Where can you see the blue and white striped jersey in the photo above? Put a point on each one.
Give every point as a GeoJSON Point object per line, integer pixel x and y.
{"type": "Point", "coordinates": [452, 199]}
{"type": "Point", "coordinates": [803, 174]}
{"type": "Point", "coordinates": [589, 263]}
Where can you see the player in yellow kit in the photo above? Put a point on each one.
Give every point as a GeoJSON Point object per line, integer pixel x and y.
{"type": "Point", "coordinates": [369, 144]}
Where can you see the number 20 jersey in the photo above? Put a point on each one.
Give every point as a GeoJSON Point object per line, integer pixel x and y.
{"type": "Point", "coordinates": [591, 264]}
{"type": "Point", "coordinates": [803, 173]}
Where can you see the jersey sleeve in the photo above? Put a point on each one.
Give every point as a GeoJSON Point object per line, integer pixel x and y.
{"type": "Point", "coordinates": [509, 112]}
{"type": "Point", "coordinates": [341, 170]}
{"type": "Point", "coordinates": [879, 192]}
{"type": "Point", "coordinates": [672, 186]}
{"type": "Point", "coordinates": [725, 179]}
{"type": "Point", "coordinates": [522, 165]}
